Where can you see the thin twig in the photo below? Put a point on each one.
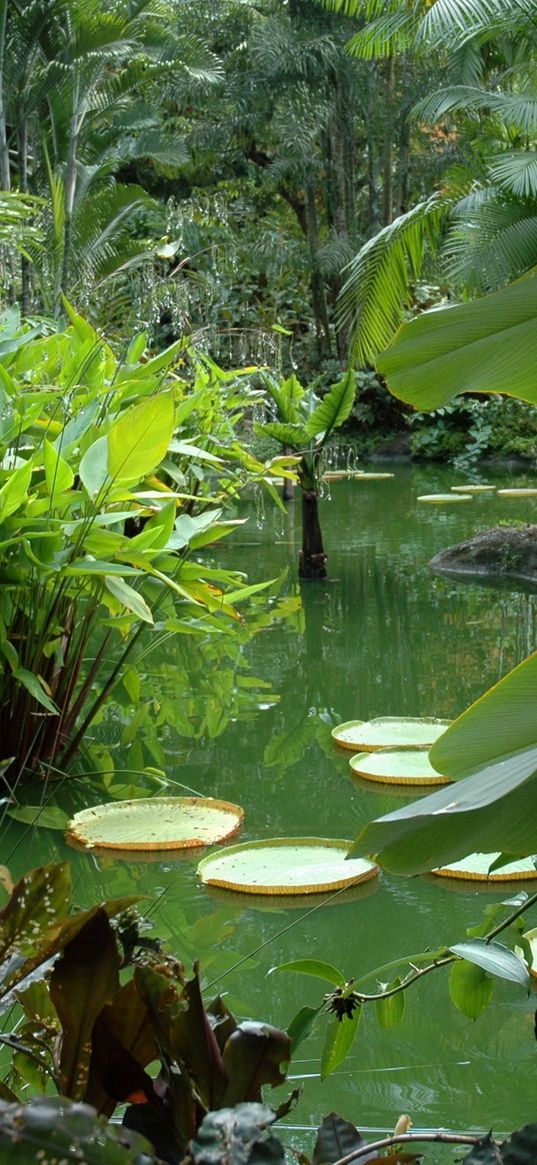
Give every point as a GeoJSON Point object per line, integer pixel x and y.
{"type": "Point", "coordinates": [409, 1139]}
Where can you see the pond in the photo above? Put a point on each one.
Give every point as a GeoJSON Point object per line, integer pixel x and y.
{"type": "Point", "coordinates": [383, 636]}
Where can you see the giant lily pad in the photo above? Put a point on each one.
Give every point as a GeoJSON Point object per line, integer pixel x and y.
{"type": "Point", "coordinates": [473, 489]}
{"type": "Point", "coordinates": [156, 823]}
{"type": "Point", "coordinates": [517, 493]}
{"type": "Point", "coordinates": [285, 865]}
{"type": "Point", "coordinates": [476, 868]}
{"type": "Point", "coordinates": [444, 499]}
{"type": "Point", "coordinates": [389, 732]}
{"type": "Point", "coordinates": [396, 766]}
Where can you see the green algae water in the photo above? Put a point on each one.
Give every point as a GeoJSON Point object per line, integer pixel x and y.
{"type": "Point", "coordinates": [382, 637]}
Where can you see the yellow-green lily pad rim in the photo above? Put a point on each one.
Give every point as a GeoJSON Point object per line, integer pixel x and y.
{"type": "Point", "coordinates": [444, 499]}
{"type": "Point", "coordinates": [473, 489]}
{"type": "Point", "coordinates": [342, 734]}
{"type": "Point", "coordinates": [360, 870]}
{"type": "Point", "coordinates": [368, 765]}
{"type": "Point", "coordinates": [474, 868]}
{"type": "Point", "coordinates": [216, 822]}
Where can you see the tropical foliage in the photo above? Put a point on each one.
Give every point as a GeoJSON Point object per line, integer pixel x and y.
{"type": "Point", "coordinates": [114, 471]}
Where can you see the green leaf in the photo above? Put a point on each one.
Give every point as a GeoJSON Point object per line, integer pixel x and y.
{"type": "Point", "coordinates": [302, 1025]}
{"type": "Point", "coordinates": [493, 809]}
{"type": "Point", "coordinates": [15, 490]}
{"type": "Point", "coordinates": [46, 816]}
{"type": "Point", "coordinates": [499, 723]}
{"type": "Point", "coordinates": [139, 439]}
{"type": "Point", "coordinates": [390, 1011]}
{"type": "Point", "coordinates": [495, 959]}
{"type": "Point", "coordinates": [334, 408]}
{"type": "Point", "coordinates": [314, 967]}
{"type": "Point", "coordinates": [295, 436]}
{"type": "Point", "coordinates": [33, 685]}
{"type": "Point", "coordinates": [338, 1041]}
{"type": "Point", "coordinates": [487, 345]}
{"type": "Point", "coordinates": [58, 473]}
{"type": "Point", "coordinates": [130, 598]}
{"type": "Point", "coordinates": [93, 467]}
{"type": "Point", "coordinates": [470, 988]}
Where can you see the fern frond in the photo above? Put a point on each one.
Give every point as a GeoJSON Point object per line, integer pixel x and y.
{"type": "Point", "coordinates": [517, 110]}
{"type": "Point", "coordinates": [492, 241]}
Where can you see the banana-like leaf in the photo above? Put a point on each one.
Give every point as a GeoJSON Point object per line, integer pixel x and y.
{"type": "Point", "coordinates": [484, 346]}
{"type": "Point", "coordinates": [494, 809]}
{"type": "Point", "coordinates": [287, 434]}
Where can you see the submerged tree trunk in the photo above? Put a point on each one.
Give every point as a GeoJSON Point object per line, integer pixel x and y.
{"type": "Point", "coordinates": [312, 562]}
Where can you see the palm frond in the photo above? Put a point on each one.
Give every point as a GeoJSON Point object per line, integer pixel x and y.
{"type": "Point", "coordinates": [517, 110]}
{"type": "Point", "coordinates": [378, 284]}
{"type": "Point", "coordinates": [516, 172]}
{"type": "Point", "coordinates": [492, 241]}
{"type": "Point", "coordinates": [455, 21]}
{"type": "Point", "coordinates": [393, 31]}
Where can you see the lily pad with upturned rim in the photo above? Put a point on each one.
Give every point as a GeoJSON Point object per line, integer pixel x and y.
{"type": "Point", "coordinates": [396, 766]}
{"type": "Point", "coordinates": [473, 489]}
{"type": "Point", "coordinates": [156, 823]}
{"type": "Point", "coordinates": [444, 499]}
{"type": "Point", "coordinates": [285, 865]}
{"type": "Point", "coordinates": [475, 868]}
{"type": "Point", "coordinates": [517, 493]}
{"type": "Point", "coordinates": [389, 732]}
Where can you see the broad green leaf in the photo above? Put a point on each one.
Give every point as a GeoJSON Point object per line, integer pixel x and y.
{"type": "Point", "coordinates": [500, 722]}
{"type": "Point", "coordinates": [46, 816]}
{"type": "Point", "coordinates": [390, 1011]}
{"type": "Point", "coordinates": [487, 345]}
{"type": "Point", "coordinates": [93, 467]}
{"type": "Point", "coordinates": [495, 959]}
{"type": "Point", "coordinates": [295, 436]}
{"type": "Point", "coordinates": [470, 988]}
{"type": "Point", "coordinates": [15, 490]}
{"type": "Point", "coordinates": [58, 473]}
{"type": "Point", "coordinates": [139, 439]}
{"type": "Point", "coordinates": [130, 598]}
{"type": "Point", "coordinates": [492, 810]}
{"type": "Point", "coordinates": [314, 967]}
{"type": "Point", "coordinates": [34, 686]}
{"type": "Point", "coordinates": [136, 348]}
{"type": "Point", "coordinates": [334, 408]}
{"type": "Point", "coordinates": [51, 1129]}
{"type": "Point", "coordinates": [340, 1035]}
{"type": "Point", "coordinates": [302, 1025]}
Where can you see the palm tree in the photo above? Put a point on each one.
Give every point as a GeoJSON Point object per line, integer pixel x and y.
{"type": "Point", "coordinates": [486, 216]}
{"type": "Point", "coordinates": [83, 90]}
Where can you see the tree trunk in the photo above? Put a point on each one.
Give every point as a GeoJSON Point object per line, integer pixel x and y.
{"type": "Point", "coordinates": [22, 134]}
{"type": "Point", "coordinates": [387, 150]}
{"type": "Point", "coordinates": [318, 296]}
{"type": "Point", "coordinates": [5, 175]}
{"type": "Point", "coordinates": [372, 170]}
{"type": "Point", "coordinates": [312, 562]}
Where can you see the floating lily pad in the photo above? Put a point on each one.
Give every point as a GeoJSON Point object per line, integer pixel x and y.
{"type": "Point", "coordinates": [357, 476]}
{"type": "Point", "coordinates": [473, 489]}
{"type": "Point", "coordinates": [285, 865]}
{"type": "Point", "coordinates": [476, 868]}
{"type": "Point", "coordinates": [156, 823]}
{"type": "Point", "coordinates": [395, 766]}
{"type": "Point", "coordinates": [517, 493]}
{"type": "Point", "coordinates": [444, 499]}
{"type": "Point", "coordinates": [389, 732]}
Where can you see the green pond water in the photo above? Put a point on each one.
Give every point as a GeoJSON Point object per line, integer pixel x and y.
{"type": "Point", "coordinates": [384, 636]}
